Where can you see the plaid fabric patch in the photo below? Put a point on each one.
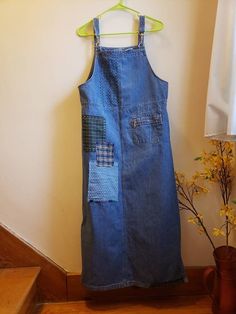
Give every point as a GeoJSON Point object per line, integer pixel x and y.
{"type": "Point", "coordinates": [105, 154]}
{"type": "Point", "coordinates": [93, 131]}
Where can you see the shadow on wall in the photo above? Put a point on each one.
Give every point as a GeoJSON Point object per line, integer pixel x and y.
{"type": "Point", "coordinates": [65, 201]}
{"type": "Point", "coordinates": [200, 66]}
{"type": "Point", "coordinates": [189, 138]}
{"type": "Point", "coordinates": [196, 70]}
{"type": "Point", "coordinates": [66, 190]}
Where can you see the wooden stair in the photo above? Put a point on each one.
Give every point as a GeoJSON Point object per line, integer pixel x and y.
{"type": "Point", "coordinates": [18, 290]}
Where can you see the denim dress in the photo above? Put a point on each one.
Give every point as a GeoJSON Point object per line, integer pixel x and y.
{"type": "Point", "coordinates": [130, 231]}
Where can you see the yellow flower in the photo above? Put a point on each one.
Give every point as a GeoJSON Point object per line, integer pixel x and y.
{"type": "Point", "coordinates": [218, 232]}
{"type": "Point", "coordinates": [234, 221]}
{"type": "Point", "coordinates": [227, 211]}
{"type": "Point", "coordinates": [192, 220]}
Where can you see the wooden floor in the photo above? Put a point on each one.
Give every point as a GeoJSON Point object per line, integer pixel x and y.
{"type": "Point", "coordinates": [170, 305]}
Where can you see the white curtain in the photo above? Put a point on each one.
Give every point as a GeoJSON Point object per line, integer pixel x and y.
{"type": "Point", "coordinates": [220, 119]}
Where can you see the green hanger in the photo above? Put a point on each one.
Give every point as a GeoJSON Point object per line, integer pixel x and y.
{"type": "Point", "coordinates": [157, 25]}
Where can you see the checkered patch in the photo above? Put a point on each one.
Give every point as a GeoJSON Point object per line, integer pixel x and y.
{"type": "Point", "coordinates": [105, 154]}
{"type": "Point", "coordinates": [93, 130]}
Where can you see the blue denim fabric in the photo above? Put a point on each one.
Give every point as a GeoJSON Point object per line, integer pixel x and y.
{"type": "Point", "coordinates": [103, 182]}
{"type": "Point", "coordinates": [135, 239]}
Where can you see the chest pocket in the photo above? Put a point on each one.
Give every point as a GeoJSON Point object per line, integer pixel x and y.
{"type": "Point", "coordinates": [146, 127]}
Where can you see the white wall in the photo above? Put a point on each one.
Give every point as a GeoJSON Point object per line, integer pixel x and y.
{"type": "Point", "coordinates": [42, 62]}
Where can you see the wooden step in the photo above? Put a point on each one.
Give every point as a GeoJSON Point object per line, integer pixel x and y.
{"type": "Point", "coordinates": [18, 290]}
{"type": "Point", "coordinates": [171, 305]}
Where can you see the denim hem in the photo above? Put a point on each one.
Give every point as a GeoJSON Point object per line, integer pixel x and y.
{"type": "Point", "coordinates": [129, 283]}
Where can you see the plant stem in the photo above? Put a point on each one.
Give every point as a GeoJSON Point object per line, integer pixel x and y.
{"type": "Point", "coordinates": [224, 188]}
{"type": "Point", "coordinates": [194, 211]}
{"type": "Point", "coordinates": [227, 231]}
{"type": "Point", "coordinates": [203, 227]}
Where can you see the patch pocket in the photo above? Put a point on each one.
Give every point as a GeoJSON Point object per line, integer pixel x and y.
{"type": "Point", "coordinates": [146, 128]}
{"type": "Point", "coordinates": [103, 182]}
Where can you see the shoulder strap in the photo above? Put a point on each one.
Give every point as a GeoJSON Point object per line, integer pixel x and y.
{"type": "Point", "coordinates": [96, 31]}
{"type": "Point", "coordinates": [141, 30]}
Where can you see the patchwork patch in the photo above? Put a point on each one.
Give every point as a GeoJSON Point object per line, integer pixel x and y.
{"type": "Point", "coordinates": [93, 131]}
{"type": "Point", "coordinates": [105, 154]}
{"type": "Point", "coordinates": [103, 182]}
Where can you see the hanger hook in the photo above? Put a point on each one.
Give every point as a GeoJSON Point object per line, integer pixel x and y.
{"type": "Point", "coordinates": [121, 2]}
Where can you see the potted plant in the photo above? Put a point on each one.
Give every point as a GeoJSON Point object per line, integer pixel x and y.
{"type": "Point", "coordinates": [218, 168]}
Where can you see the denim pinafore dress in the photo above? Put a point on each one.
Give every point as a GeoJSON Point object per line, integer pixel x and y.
{"type": "Point", "coordinates": [130, 231]}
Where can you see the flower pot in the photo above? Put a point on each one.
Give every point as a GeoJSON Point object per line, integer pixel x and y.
{"type": "Point", "coordinates": [222, 288]}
